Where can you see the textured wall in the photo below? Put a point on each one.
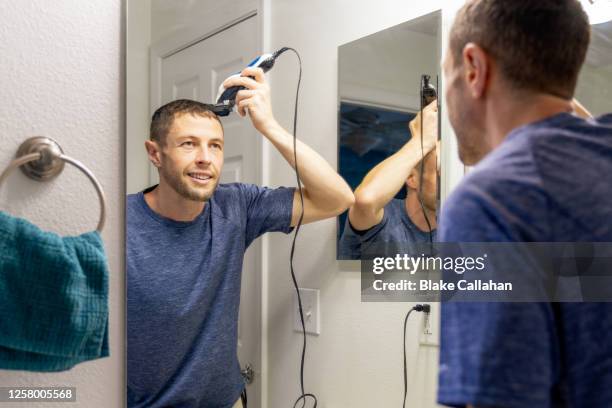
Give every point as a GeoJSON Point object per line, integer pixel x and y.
{"type": "Point", "coordinates": [61, 76]}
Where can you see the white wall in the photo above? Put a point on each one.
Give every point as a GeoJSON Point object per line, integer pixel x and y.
{"type": "Point", "coordinates": [177, 22]}
{"type": "Point", "coordinates": [62, 77]}
{"type": "Point", "coordinates": [385, 69]}
{"type": "Point", "coordinates": [171, 17]}
{"type": "Point", "coordinates": [357, 359]}
{"type": "Point", "coordinates": [594, 88]}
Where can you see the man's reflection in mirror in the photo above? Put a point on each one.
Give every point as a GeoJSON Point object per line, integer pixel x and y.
{"type": "Point", "coordinates": [376, 217]}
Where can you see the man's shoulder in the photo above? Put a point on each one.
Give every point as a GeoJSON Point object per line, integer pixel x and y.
{"type": "Point", "coordinates": [516, 159]}
{"type": "Point", "coordinates": [564, 136]}
{"type": "Point", "coordinates": [234, 196]}
{"type": "Point", "coordinates": [244, 193]}
{"type": "Point", "coordinates": [396, 204]}
{"type": "Point", "coordinates": [135, 202]}
{"type": "Point", "coordinates": [133, 206]}
{"type": "Point", "coordinates": [235, 199]}
{"type": "Point", "coordinates": [228, 201]}
{"type": "Point", "coordinates": [132, 198]}
{"type": "Point", "coordinates": [514, 185]}
{"type": "Point", "coordinates": [227, 190]}
{"type": "Point", "coordinates": [394, 209]}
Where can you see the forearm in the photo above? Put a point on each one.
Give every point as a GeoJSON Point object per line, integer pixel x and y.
{"type": "Point", "coordinates": [325, 193]}
{"type": "Point", "coordinates": [383, 182]}
{"type": "Point", "coordinates": [580, 110]}
{"type": "Point", "coordinates": [324, 187]}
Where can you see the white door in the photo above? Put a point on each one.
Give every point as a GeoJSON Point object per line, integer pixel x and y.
{"type": "Point", "coordinates": [195, 73]}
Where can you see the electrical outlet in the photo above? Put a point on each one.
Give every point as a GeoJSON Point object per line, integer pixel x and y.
{"type": "Point", "coordinates": [429, 333]}
{"type": "Point", "coordinates": [310, 308]}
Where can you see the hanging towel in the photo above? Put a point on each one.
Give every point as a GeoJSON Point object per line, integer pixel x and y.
{"type": "Point", "coordinates": [53, 298]}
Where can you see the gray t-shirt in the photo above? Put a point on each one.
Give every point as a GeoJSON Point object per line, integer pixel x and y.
{"type": "Point", "coordinates": [183, 294]}
{"type": "Point", "coordinates": [395, 231]}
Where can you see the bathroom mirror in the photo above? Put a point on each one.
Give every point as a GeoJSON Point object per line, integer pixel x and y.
{"type": "Point", "coordinates": [379, 93]}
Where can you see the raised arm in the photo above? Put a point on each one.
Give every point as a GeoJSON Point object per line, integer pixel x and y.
{"type": "Point", "coordinates": [580, 110]}
{"type": "Point", "coordinates": [383, 182]}
{"type": "Point", "coordinates": [326, 194]}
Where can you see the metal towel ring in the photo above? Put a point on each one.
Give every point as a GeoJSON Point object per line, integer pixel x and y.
{"type": "Point", "coordinates": [42, 159]}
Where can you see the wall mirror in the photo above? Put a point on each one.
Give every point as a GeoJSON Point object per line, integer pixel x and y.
{"type": "Point", "coordinates": [379, 93]}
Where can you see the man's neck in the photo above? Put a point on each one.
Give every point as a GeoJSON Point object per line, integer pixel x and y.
{"type": "Point", "coordinates": [165, 201]}
{"type": "Point", "coordinates": [415, 213]}
{"type": "Point", "coordinates": [511, 112]}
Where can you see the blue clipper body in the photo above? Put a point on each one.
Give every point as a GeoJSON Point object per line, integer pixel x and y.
{"type": "Point", "coordinates": [226, 98]}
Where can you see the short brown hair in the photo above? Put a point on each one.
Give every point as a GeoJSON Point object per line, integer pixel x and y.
{"type": "Point", "coordinates": [163, 118]}
{"type": "Point", "coordinates": [539, 45]}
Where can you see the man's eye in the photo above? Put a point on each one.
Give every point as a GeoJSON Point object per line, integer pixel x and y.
{"type": "Point", "coordinates": [188, 144]}
{"type": "Point", "coordinates": [216, 145]}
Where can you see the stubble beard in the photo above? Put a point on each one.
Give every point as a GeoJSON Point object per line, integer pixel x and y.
{"type": "Point", "coordinates": [467, 137]}
{"type": "Point", "coordinates": [181, 186]}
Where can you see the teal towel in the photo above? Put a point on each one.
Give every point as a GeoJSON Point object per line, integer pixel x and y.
{"type": "Point", "coordinates": [53, 298]}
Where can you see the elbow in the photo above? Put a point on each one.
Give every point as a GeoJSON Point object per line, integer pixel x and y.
{"type": "Point", "coordinates": [364, 201]}
{"type": "Point", "coordinates": [345, 200]}
{"type": "Point", "coordinates": [348, 199]}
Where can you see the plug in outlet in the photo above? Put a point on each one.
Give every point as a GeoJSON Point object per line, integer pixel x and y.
{"type": "Point", "coordinates": [310, 307]}
{"type": "Point", "coordinates": [429, 329]}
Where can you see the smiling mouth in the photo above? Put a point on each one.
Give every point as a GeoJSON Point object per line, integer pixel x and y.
{"type": "Point", "coordinates": [200, 177]}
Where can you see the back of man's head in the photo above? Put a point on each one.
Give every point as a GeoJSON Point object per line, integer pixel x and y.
{"type": "Point", "coordinates": [538, 45]}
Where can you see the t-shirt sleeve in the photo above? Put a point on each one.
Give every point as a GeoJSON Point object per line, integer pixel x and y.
{"type": "Point", "coordinates": [349, 245]}
{"type": "Point", "coordinates": [352, 240]}
{"type": "Point", "coordinates": [267, 209]}
{"type": "Point", "coordinates": [495, 354]}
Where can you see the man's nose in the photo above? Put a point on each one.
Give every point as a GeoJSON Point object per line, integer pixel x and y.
{"type": "Point", "coordinates": [204, 155]}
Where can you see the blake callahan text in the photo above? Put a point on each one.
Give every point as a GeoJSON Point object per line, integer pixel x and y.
{"type": "Point", "coordinates": [431, 285]}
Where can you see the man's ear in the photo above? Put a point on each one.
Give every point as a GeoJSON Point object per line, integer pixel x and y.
{"type": "Point", "coordinates": [413, 180]}
{"type": "Point", "coordinates": [154, 152]}
{"type": "Point", "coordinates": [477, 66]}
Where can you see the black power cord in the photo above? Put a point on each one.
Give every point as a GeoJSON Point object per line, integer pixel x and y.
{"type": "Point", "coordinates": [425, 308]}
{"type": "Point", "coordinates": [424, 98]}
{"type": "Point", "coordinates": [304, 396]}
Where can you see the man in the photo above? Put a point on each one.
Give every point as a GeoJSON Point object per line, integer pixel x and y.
{"type": "Point", "coordinates": [186, 238]}
{"type": "Point", "coordinates": [511, 71]}
{"type": "Point", "coordinates": [377, 218]}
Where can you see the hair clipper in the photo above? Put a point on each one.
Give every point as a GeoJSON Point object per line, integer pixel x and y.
{"type": "Point", "coordinates": [428, 91]}
{"type": "Point", "coordinates": [226, 98]}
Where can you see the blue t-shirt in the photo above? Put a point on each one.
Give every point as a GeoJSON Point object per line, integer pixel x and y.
{"type": "Point", "coordinates": [183, 293]}
{"type": "Point", "coordinates": [394, 231]}
{"type": "Point", "coordinates": [547, 182]}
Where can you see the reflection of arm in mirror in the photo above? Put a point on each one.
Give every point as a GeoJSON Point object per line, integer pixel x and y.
{"type": "Point", "coordinates": [580, 110]}
{"type": "Point", "coordinates": [326, 194]}
{"type": "Point", "coordinates": [383, 182]}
